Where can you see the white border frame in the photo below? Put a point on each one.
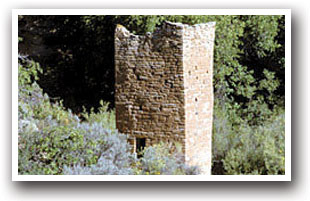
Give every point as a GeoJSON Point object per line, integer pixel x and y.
{"type": "Point", "coordinates": [286, 177]}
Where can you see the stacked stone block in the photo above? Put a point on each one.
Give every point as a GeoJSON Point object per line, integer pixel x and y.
{"type": "Point", "coordinates": [164, 88]}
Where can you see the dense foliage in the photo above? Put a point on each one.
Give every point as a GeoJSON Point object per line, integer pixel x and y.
{"type": "Point", "coordinates": [77, 57]}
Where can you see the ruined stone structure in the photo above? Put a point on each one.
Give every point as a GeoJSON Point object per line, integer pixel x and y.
{"type": "Point", "coordinates": [164, 88]}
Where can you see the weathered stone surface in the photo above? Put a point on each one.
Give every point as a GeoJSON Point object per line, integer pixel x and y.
{"type": "Point", "coordinates": [163, 89]}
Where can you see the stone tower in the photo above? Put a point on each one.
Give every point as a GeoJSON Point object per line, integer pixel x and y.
{"type": "Point", "coordinates": [163, 89]}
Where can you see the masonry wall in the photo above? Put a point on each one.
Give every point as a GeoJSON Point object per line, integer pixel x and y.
{"type": "Point", "coordinates": [149, 95]}
{"type": "Point", "coordinates": [198, 42]}
{"type": "Point", "coordinates": [155, 97]}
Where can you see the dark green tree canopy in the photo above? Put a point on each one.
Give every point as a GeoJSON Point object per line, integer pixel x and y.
{"type": "Point", "coordinates": [77, 56]}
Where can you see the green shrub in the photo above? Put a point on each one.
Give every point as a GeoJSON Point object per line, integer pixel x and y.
{"type": "Point", "coordinates": [160, 160]}
{"type": "Point", "coordinates": [241, 148]}
{"type": "Point", "coordinates": [110, 149]}
{"type": "Point", "coordinates": [102, 116]}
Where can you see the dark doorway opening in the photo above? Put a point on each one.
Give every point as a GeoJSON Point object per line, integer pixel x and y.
{"type": "Point", "coordinates": [140, 145]}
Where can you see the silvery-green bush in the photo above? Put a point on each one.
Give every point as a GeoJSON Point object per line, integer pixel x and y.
{"type": "Point", "coordinates": [160, 160]}
{"type": "Point", "coordinates": [111, 150]}
{"type": "Point", "coordinates": [52, 140]}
